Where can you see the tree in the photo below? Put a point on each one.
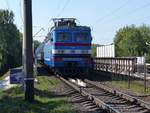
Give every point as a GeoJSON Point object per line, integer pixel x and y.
{"type": "Point", "coordinates": [145, 32]}
{"type": "Point", "coordinates": [93, 50]}
{"type": "Point", "coordinates": [131, 41]}
{"type": "Point", "coordinates": [10, 42]}
{"type": "Point", "coordinates": [36, 44]}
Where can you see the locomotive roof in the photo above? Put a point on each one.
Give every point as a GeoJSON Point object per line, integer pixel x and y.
{"type": "Point", "coordinates": [67, 23]}
{"type": "Point", "coordinates": [70, 28]}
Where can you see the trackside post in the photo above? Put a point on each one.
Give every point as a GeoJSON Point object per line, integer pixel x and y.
{"type": "Point", "coordinates": [28, 53]}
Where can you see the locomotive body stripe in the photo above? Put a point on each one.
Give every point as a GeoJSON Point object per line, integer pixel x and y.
{"type": "Point", "coordinates": [71, 44]}
{"type": "Point", "coordinates": [71, 51]}
{"type": "Point", "coordinates": [47, 59]}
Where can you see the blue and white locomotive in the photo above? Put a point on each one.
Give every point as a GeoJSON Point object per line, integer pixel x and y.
{"type": "Point", "coordinates": [67, 48]}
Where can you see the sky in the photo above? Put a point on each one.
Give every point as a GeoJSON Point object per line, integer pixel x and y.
{"type": "Point", "coordinates": [105, 17]}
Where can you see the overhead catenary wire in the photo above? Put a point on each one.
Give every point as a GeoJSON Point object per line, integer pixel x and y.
{"type": "Point", "coordinates": [21, 16]}
{"type": "Point", "coordinates": [144, 19]}
{"type": "Point", "coordinates": [8, 8]}
{"type": "Point", "coordinates": [40, 36]}
{"type": "Point", "coordinates": [130, 13]}
{"type": "Point", "coordinates": [58, 6]}
{"type": "Point", "coordinates": [136, 10]}
{"type": "Point", "coordinates": [139, 8]}
{"type": "Point", "coordinates": [56, 15]}
{"type": "Point", "coordinates": [7, 3]}
{"type": "Point", "coordinates": [20, 8]}
{"type": "Point", "coordinates": [63, 8]}
{"type": "Point", "coordinates": [112, 12]}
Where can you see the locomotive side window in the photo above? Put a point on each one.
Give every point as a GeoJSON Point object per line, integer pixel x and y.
{"type": "Point", "coordinates": [63, 37]}
{"type": "Point", "coordinates": [81, 36]}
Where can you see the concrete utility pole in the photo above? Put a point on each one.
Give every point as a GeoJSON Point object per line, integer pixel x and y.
{"type": "Point", "coordinates": [28, 54]}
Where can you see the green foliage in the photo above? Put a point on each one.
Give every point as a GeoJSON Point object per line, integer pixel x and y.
{"type": "Point", "coordinates": [10, 42]}
{"type": "Point", "coordinates": [12, 100]}
{"type": "Point", "coordinates": [136, 86]}
{"type": "Point", "coordinates": [94, 50]}
{"type": "Point", "coordinates": [36, 44]}
{"type": "Point", "coordinates": [44, 84]}
{"type": "Point", "coordinates": [145, 32]}
{"type": "Point", "coordinates": [132, 41]}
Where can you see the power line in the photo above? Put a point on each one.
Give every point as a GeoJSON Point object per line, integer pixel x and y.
{"type": "Point", "coordinates": [58, 5]}
{"type": "Point", "coordinates": [113, 12]}
{"type": "Point", "coordinates": [20, 4]}
{"type": "Point", "coordinates": [143, 20]}
{"type": "Point", "coordinates": [62, 10]}
{"type": "Point", "coordinates": [7, 3]}
{"type": "Point", "coordinates": [139, 8]}
{"type": "Point", "coordinates": [8, 7]}
{"type": "Point", "coordinates": [56, 15]}
{"type": "Point", "coordinates": [132, 12]}
{"type": "Point", "coordinates": [40, 36]}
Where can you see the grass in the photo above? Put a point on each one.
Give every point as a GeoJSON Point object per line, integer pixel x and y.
{"type": "Point", "coordinates": [44, 84]}
{"type": "Point", "coordinates": [12, 100]}
{"type": "Point", "coordinates": [135, 86]}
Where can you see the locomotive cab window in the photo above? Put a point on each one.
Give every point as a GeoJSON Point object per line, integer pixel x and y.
{"type": "Point", "coordinates": [63, 37]}
{"type": "Point", "coordinates": [81, 36]}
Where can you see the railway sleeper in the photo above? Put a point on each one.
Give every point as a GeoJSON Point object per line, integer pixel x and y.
{"type": "Point", "coordinates": [128, 98]}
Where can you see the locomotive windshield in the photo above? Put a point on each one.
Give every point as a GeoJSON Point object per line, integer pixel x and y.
{"type": "Point", "coordinates": [63, 37]}
{"type": "Point", "coordinates": [81, 36]}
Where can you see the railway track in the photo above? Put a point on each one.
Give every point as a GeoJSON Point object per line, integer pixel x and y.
{"type": "Point", "coordinates": [85, 102]}
{"type": "Point", "coordinates": [109, 100]}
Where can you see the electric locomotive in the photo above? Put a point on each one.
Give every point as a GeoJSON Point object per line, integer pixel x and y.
{"type": "Point", "coordinates": [67, 48]}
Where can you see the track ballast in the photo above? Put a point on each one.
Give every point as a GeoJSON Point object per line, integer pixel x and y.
{"type": "Point", "coordinates": [108, 99]}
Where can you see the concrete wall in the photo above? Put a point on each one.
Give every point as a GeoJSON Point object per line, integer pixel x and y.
{"type": "Point", "coordinates": [105, 51]}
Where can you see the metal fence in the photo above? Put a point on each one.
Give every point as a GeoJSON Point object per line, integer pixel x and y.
{"type": "Point", "coordinates": [115, 65]}
{"type": "Point", "coordinates": [126, 67]}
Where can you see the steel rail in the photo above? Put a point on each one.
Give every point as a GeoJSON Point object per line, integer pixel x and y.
{"type": "Point", "coordinates": [96, 100]}
{"type": "Point", "coordinates": [120, 94]}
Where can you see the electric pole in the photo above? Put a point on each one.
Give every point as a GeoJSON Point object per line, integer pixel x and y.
{"type": "Point", "coordinates": [28, 53]}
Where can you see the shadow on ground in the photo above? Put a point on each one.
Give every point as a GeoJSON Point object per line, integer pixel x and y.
{"type": "Point", "coordinates": [103, 76]}
{"type": "Point", "coordinates": [12, 101]}
{"type": "Point", "coordinates": [43, 71]}
{"type": "Point", "coordinates": [51, 94]}
{"type": "Point", "coordinates": [99, 76]}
